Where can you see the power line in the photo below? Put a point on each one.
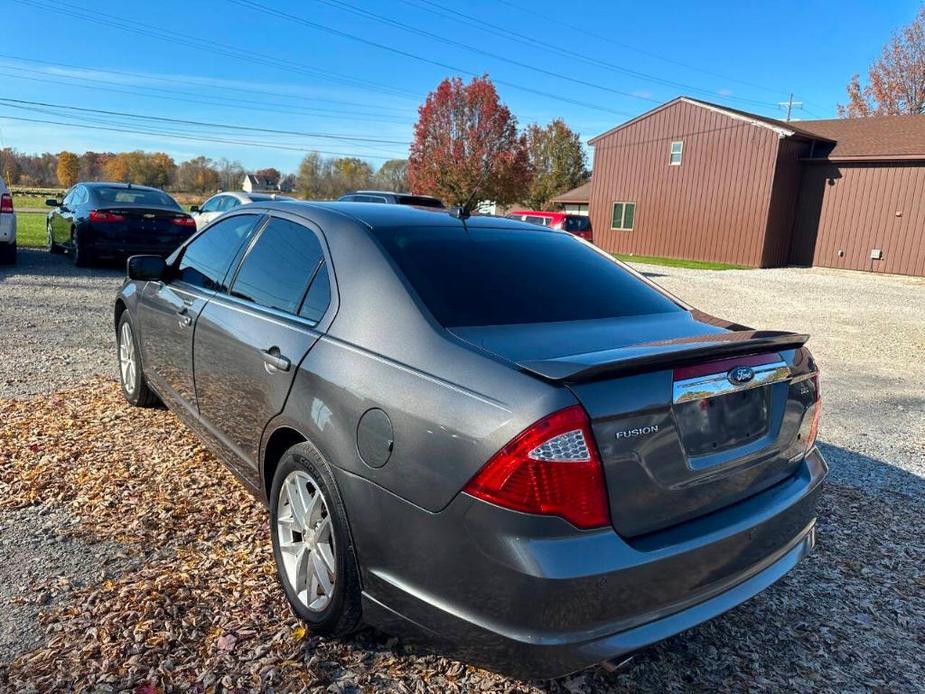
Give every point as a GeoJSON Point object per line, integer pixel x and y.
{"type": "Point", "coordinates": [195, 138]}
{"type": "Point", "coordinates": [790, 104]}
{"type": "Point", "coordinates": [266, 9]}
{"type": "Point", "coordinates": [176, 96]}
{"type": "Point", "coordinates": [274, 131]}
{"type": "Point", "coordinates": [182, 39]}
{"type": "Point", "coordinates": [517, 37]}
{"type": "Point", "coordinates": [190, 80]}
{"type": "Point", "coordinates": [585, 31]}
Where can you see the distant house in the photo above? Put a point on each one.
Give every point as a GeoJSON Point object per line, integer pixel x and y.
{"type": "Point", "coordinates": [691, 179]}
{"type": "Point", "coordinates": [258, 184]}
{"type": "Point", "coordinates": [576, 200]}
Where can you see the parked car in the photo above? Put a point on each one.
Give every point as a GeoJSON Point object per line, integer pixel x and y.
{"type": "Point", "coordinates": [577, 224]}
{"type": "Point", "coordinates": [97, 220]}
{"type": "Point", "coordinates": [455, 438]}
{"type": "Point", "coordinates": [389, 198]}
{"type": "Point", "coordinates": [222, 202]}
{"type": "Point", "coordinates": [7, 226]}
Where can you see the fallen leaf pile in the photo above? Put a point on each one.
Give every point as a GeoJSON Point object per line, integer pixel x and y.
{"type": "Point", "coordinates": [202, 611]}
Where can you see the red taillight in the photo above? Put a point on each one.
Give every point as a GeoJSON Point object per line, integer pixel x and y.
{"type": "Point", "coordinates": [551, 468]}
{"type": "Point", "coordinates": [105, 216]}
{"type": "Point", "coordinates": [184, 221]}
{"type": "Point", "coordinates": [809, 428]}
{"type": "Point", "coordinates": [6, 203]}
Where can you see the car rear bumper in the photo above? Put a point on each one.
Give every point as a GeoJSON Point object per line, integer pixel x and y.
{"type": "Point", "coordinates": [525, 596]}
{"type": "Point", "coordinates": [117, 248]}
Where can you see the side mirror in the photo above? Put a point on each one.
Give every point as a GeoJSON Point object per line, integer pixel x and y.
{"type": "Point", "coordinates": [194, 209]}
{"type": "Point", "coordinates": [146, 268]}
{"type": "Point", "coordinates": [51, 202]}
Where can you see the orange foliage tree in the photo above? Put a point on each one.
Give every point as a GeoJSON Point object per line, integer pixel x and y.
{"type": "Point", "coordinates": [895, 81]}
{"type": "Point", "coordinates": [466, 143]}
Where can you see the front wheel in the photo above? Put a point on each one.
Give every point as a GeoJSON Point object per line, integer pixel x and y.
{"type": "Point", "coordinates": [314, 553]}
{"type": "Point", "coordinates": [131, 376]}
{"type": "Point", "coordinates": [52, 246]}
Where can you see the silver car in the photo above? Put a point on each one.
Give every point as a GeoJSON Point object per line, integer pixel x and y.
{"type": "Point", "coordinates": [220, 203]}
{"type": "Point", "coordinates": [483, 432]}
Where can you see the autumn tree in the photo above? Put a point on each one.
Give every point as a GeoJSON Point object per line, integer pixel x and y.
{"type": "Point", "coordinates": [230, 174]}
{"type": "Point", "coordinates": [270, 174]}
{"type": "Point", "coordinates": [313, 179]}
{"type": "Point", "coordinates": [197, 175]}
{"type": "Point", "coordinates": [392, 175]}
{"type": "Point", "coordinates": [558, 162]}
{"type": "Point", "coordinates": [350, 173]}
{"type": "Point", "coordinates": [68, 169]}
{"type": "Point", "coordinates": [466, 145]}
{"type": "Point", "coordinates": [896, 80]}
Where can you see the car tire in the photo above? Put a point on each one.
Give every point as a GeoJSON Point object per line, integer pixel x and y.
{"type": "Point", "coordinates": [132, 378]}
{"type": "Point", "coordinates": [53, 247]}
{"type": "Point", "coordinates": [8, 254]}
{"type": "Point", "coordinates": [83, 255]}
{"type": "Point", "coordinates": [302, 552]}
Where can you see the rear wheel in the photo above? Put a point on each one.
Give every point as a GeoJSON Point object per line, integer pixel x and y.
{"type": "Point", "coordinates": [131, 375]}
{"type": "Point", "coordinates": [52, 246]}
{"type": "Point", "coordinates": [312, 546]}
{"type": "Point", "coordinates": [83, 254]}
{"type": "Point", "coordinates": [7, 253]}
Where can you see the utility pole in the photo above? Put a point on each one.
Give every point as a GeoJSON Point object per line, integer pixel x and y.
{"type": "Point", "coordinates": [790, 104]}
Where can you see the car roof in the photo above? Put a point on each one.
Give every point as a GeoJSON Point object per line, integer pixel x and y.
{"type": "Point", "coordinates": [375, 215]}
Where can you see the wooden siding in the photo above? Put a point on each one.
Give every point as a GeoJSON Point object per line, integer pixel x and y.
{"type": "Point", "coordinates": [714, 206]}
{"type": "Point", "coordinates": [853, 208]}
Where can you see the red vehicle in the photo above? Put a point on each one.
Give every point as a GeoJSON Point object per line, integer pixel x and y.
{"type": "Point", "coordinates": [577, 224]}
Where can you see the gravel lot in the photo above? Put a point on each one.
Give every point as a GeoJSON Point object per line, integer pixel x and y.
{"type": "Point", "coordinates": [850, 617]}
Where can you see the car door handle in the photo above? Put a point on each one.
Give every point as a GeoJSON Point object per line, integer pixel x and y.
{"type": "Point", "coordinates": [186, 320]}
{"type": "Point", "coordinates": [273, 358]}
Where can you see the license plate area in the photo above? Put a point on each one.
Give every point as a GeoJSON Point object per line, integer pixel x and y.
{"type": "Point", "coordinates": [715, 424]}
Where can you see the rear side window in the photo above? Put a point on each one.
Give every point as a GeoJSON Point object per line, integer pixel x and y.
{"type": "Point", "coordinates": [536, 219]}
{"type": "Point", "coordinates": [319, 295]}
{"type": "Point", "coordinates": [504, 277]}
{"type": "Point", "coordinates": [206, 260]}
{"type": "Point", "coordinates": [276, 271]}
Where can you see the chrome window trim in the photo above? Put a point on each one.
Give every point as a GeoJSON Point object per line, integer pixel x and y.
{"type": "Point", "coordinates": [716, 384]}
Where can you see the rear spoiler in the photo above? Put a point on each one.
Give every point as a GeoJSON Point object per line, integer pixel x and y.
{"type": "Point", "coordinates": [651, 356]}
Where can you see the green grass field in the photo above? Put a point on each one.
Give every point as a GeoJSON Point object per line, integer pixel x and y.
{"type": "Point", "coordinates": [30, 230]}
{"type": "Point", "coordinates": [678, 262]}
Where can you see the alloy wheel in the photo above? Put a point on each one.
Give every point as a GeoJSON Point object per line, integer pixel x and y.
{"type": "Point", "coordinates": [127, 361]}
{"type": "Point", "coordinates": [306, 540]}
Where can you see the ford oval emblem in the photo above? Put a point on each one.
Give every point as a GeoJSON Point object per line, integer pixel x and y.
{"type": "Point", "coordinates": [740, 375]}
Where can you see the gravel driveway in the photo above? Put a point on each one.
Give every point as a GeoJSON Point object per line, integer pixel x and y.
{"type": "Point", "coordinates": [850, 617]}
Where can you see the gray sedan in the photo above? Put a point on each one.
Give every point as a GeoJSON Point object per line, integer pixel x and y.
{"type": "Point", "coordinates": [480, 432]}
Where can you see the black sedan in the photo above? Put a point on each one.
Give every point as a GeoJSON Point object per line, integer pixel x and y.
{"type": "Point", "coordinates": [116, 219]}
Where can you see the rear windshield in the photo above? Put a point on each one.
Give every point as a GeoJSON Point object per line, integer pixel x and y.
{"type": "Point", "coordinates": [419, 201]}
{"type": "Point", "coordinates": [134, 196]}
{"type": "Point", "coordinates": [508, 276]}
{"type": "Point", "coordinates": [575, 223]}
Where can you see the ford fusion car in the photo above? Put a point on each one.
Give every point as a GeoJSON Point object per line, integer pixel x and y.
{"type": "Point", "coordinates": [480, 432]}
{"type": "Point", "coordinates": [96, 220]}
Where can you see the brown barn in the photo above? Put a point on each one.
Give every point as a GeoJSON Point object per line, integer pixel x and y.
{"type": "Point", "coordinates": [691, 179]}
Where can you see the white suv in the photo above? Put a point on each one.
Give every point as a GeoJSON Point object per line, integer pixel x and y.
{"type": "Point", "coordinates": [7, 227]}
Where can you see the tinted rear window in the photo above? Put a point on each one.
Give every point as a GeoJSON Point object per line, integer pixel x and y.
{"type": "Point", "coordinates": [134, 196]}
{"type": "Point", "coordinates": [419, 201]}
{"type": "Point", "coordinates": [575, 223]}
{"type": "Point", "coordinates": [504, 277]}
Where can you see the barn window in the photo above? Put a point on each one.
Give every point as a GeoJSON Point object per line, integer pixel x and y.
{"type": "Point", "coordinates": [676, 147]}
{"type": "Point", "coordinates": [623, 216]}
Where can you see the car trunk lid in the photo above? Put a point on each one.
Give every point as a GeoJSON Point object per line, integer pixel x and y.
{"type": "Point", "coordinates": [143, 225]}
{"type": "Point", "coordinates": [680, 431]}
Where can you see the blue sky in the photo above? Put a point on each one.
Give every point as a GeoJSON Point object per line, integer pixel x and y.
{"type": "Point", "coordinates": [240, 63]}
